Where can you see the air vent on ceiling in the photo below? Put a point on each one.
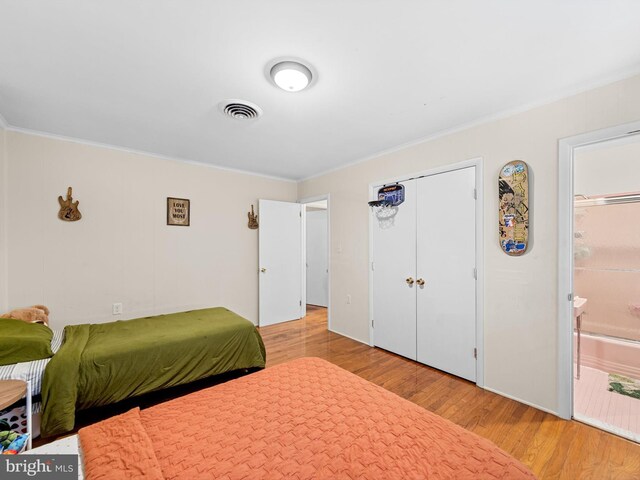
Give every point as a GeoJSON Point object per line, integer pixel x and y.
{"type": "Point", "coordinates": [240, 109]}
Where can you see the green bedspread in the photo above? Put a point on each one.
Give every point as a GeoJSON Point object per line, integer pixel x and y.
{"type": "Point", "coordinates": [106, 363]}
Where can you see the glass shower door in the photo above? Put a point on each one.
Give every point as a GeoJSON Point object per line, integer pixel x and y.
{"type": "Point", "coordinates": [607, 314]}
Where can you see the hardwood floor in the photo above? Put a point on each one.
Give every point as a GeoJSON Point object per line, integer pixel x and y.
{"type": "Point", "coordinates": [551, 447]}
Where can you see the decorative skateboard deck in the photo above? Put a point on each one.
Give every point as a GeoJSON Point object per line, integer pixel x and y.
{"type": "Point", "coordinates": [513, 209]}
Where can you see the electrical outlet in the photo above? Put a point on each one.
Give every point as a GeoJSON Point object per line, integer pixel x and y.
{"type": "Point", "coordinates": [116, 309]}
{"type": "Point", "coordinates": [348, 299]}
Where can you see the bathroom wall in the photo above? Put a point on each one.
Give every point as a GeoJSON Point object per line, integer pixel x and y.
{"type": "Point", "coordinates": [607, 243]}
{"type": "Point", "coordinates": [607, 268]}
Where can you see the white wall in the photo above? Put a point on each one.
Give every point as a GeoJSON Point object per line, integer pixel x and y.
{"type": "Point", "coordinates": [317, 277]}
{"type": "Point", "coordinates": [122, 250]}
{"type": "Point", "coordinates": [3, 230]}
{"type": "Point", "coordinates": [520, 327]}
{"type": "Point", "coordinates": [608, 167]}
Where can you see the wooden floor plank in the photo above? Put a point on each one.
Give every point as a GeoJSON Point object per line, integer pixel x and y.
{"type": "Point", "coordinates": [553, 448]}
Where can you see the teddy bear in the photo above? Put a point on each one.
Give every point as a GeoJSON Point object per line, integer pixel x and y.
{"type": "Point", "coordinates": [34, 314]}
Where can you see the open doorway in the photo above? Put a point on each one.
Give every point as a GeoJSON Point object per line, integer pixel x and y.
{"type": "Point", "coordinates": [606, 279]}
{"type": "Point", "coordinates": [598, 273]}
{"type": "Point", "coordinates": [317, 257]}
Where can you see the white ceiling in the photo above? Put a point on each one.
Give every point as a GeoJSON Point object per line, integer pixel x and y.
{"type": "Point", "coordinates": [148, 74]}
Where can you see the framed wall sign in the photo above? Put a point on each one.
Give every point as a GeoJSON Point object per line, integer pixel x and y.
{"type": "Point", "coordinates": [178, 211]}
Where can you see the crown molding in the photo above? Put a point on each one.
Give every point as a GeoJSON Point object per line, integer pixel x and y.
{"type": "Point", "coordinates": [91, 143]}
{"type": "Point", "coordinates": [567, 93]}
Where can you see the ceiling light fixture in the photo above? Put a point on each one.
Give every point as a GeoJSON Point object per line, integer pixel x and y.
{"type": "Point", "coordinates": [291, 76]}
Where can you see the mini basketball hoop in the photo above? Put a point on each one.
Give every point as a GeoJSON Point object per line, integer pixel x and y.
{"type": "Point", "coordinates": [384, 211]}
{"type": "Point", "coordinates": [389, 198]}
{"type": "Point", "coordinates": [385, 208]}
{"type": "Point", "coordinates": [391, 194]}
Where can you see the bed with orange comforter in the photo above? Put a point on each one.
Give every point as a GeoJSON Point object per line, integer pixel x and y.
{"type": "Point", "coordinates": [303, 419]}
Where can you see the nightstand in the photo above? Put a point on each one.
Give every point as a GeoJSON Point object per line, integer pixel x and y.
{"type": "Point", "coordinates": [13, 390]}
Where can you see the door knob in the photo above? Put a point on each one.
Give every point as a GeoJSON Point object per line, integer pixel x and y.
{"type": "Point", "coordinates": [420, 282]}
{"type": "Point", "coordinates": [409, 281]}
{"type": "Point", "coordinates": [263, 270]}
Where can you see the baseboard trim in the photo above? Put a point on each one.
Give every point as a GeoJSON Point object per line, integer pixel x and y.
{"type": "Point", "coordinates": [348, 336]}
{"type": "Point", "coordinates": [511, 397]}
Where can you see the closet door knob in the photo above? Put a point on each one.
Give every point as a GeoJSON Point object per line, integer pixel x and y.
{"type": "Point", "coordinates": [420, 282]}
{"type": "Point", "coordinates": [409, 281]}
{"type": "Point", "coordinates": [263, 270]}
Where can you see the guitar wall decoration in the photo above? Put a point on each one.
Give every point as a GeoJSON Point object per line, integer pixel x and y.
{"type": "Point", "coordinates": [253, 219]}
{"type": "Point", "coordinates": [68, 208]}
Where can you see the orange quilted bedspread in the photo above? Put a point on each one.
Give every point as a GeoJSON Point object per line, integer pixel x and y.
{"type": "Point", "coordinates": [303, 419]}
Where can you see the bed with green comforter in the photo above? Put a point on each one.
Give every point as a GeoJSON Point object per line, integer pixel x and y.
{"type": "Point", "coordinates": [105, 363]}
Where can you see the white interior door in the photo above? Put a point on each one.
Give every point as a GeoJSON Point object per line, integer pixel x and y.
{"type": "Point", "coordinates": [317, 265]}
{"type": "Point", "coordinates": [280, 257]}
{"type": "Point", "coordinates": [446, 259]}
{"type": "Point", "coordinates": [394, 254]}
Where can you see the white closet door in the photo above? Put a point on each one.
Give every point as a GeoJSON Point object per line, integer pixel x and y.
{"type": "Point", "coordinates": [446, 258]}
{"type": "Point", "coordinates": [394, 254]}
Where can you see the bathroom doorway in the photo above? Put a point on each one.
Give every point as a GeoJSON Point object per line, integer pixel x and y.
{"type": "Point", "coordinates": [606, 285]}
